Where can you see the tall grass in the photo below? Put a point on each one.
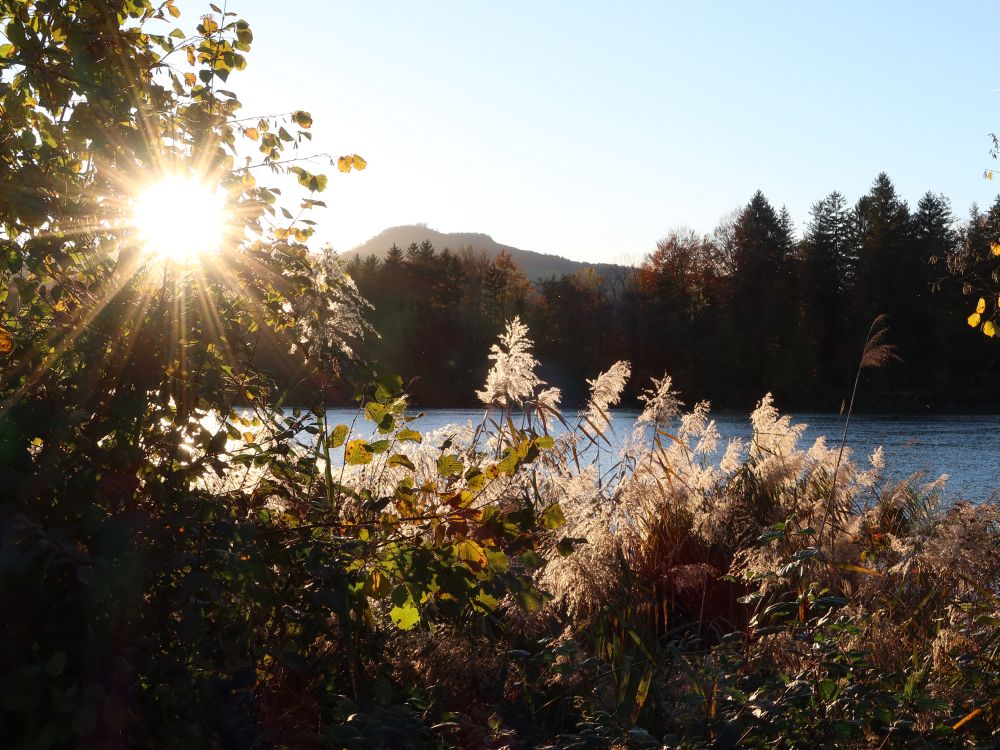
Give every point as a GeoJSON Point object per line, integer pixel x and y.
{"type": "Point", "coordinates": [760, 593]}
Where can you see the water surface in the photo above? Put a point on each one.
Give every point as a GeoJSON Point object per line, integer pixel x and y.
{"type": "Point", "coordinates": [965, 447]}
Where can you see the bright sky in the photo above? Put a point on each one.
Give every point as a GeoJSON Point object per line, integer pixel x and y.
{"type": "Point", "coordinates": [590, 130]}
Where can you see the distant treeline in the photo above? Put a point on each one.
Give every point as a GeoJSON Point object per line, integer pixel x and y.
{"type": "Point", "coordinates": [747, 309]}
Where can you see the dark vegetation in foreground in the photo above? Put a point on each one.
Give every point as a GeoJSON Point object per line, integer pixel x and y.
{"type": "Point", "coordinates": [177, 572]}
{"type": "Point", "coordinates": [749, 308]}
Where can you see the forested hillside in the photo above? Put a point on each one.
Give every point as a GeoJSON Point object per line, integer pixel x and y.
{"type": "Point", "coordinates": [748, 308]}
{"type": "Point", "coordinates": [536, 266]}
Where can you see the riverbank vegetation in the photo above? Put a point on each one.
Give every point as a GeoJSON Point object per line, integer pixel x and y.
{"type": "Point", "coordinates": [184, 563]}
{"type": "Point", "coordinates": [685, 308]}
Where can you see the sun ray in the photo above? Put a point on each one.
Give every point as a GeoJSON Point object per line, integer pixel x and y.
{"type": "Point", "coordinates": [106, 292]}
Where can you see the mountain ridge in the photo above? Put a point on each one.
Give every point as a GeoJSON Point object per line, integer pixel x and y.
{"type": "Point", "coordinates": [536, 266]}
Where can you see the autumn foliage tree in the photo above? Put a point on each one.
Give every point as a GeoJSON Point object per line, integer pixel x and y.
{"type": "Point", "coordinates": [187, 566]}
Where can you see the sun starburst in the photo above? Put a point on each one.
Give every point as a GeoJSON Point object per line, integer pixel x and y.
{"type": "Point", "coordinates": [180, 218]}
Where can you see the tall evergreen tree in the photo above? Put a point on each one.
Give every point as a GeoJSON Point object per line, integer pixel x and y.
{"type": "Point", "coordinates": [934, 240]}
{"type": "Point", "coordinates": [394, 257]}
{"type": "Point", "coordinates": [887, 274]}
{"type": "Point", "coordinates": [764, 306]}
{"type": "Point", "coordinates": [885, 265]}
{"type": "Point", "coordinates": [826, 254]}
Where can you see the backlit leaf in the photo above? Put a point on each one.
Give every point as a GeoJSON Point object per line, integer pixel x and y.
{"type": "Point", "coordinates": [450, 466]}
{"type": "Point", "coordinates": [344, 163]}
{"type": "Point", "coordinates": [981, 306]}
{"type": "Point", "coordinates": [398, 459]}
{"type": "Point", "coordinates": [974, 319]}
{"type": "Point", "coordinates": [358, 453]}
{"type": "Point", "coordinates": [471, 552]}
{"type": "Point", "coordinates": [6, 342]}
{"type": "Point", "coordinates": [302, 119]}
{"type": "Point", "coordinates": [995, 248]}
{"type": "Point", "coordinates": [338, 436]}
{"type": "Point", "coordinates": [404, 612]}
{"type": "Point", "coordinates": [358, 162]}
{"type": "Point", "coordinates": [552, 517]}
{"type": "Point", "coordinates": [989, 329]}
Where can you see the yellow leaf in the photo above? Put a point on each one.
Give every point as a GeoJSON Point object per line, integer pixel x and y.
{"type": "Point", "coordinates": [175, 12]}
{"type": "Point", "coordinates": [358, 452]}
{"type": "Point", "coordinates": [209, 24]}
{"type": "Point", "coordinates": [189, 79]}
{"type": "Point", "coordinates": [344, 163]}
{"type": "Point", "coordinates": [248, 436]}
{"type": "Point", "coordinates": [989, 175]}
{"type": "Point", "coordinates": [858, 569]}
{"type": "Point", "coordinates": [252, 134]}
{"type": "Point", "coordinates": [981, 306]}
{"type": "Point", "coordinates": [469, 551]}
{"type": "Point", "coordinates": [190, 54]}
{"type": "Point", "coordinates": [974, 319]}
{"type": "Point", "coordinates": [6, 342]}
{"type": "Point", "coordinates": [995, 248]}
{"type": "Point", "coordinates": [76, 166]}
{"type": "Point", "coordinates": [359, 163]}
{"type": "Point", "coordinates": [967, 718]}
{"type": "Point", "coordinates": [989, 329]}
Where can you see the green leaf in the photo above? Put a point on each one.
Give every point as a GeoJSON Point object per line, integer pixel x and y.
{"type": "Point", "coordinates": [313, 182]}
{"type": "Point", "coordinates": [567, 544]}
{"type": "Point", "coordinates": [380, 415]}
{"type": "Point", "coordinates": [379, 446]}
{"type": "Point", "coordinates": [450, 465]}
{"type": "Point", "coordinates": [552, 517]}
{"type": "Point", "coordinates": [409, 436]}
{"type": "Point", "coordinates": [404, 612]}
{"type": "Point", "coordinates": [531, 599]}
{"type": "Point", "coordinates": [642, 692]}
{"type": "Point", "coordinates": [531, 559]}
{"type": "Point", "coordinates": [827, 689]}
{"type": "Point", "coordinates": [509, 463]}
{"type": "Point", "coordinates": [338, 436]}
{"type": "Point", "coordinates": [398, 459]}
{"type": "Point", "coordinates": [497, 559]}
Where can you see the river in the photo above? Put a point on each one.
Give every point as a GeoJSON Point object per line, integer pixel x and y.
{"type": "Point", "coordinates": [965, 447]}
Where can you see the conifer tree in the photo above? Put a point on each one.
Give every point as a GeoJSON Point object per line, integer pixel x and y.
{"type": "Point", "coordinates": [826, 258]}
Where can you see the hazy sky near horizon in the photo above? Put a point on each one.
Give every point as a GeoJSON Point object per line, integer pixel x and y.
{"type": "Point", "coordinates": [590, 129]}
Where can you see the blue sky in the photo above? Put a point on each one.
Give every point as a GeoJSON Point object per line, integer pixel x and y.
{"type": "Point", "coordinates": [591, 129]}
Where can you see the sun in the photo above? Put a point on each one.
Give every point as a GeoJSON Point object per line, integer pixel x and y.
{"type": "Point", "coordinates": [180, 218]}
